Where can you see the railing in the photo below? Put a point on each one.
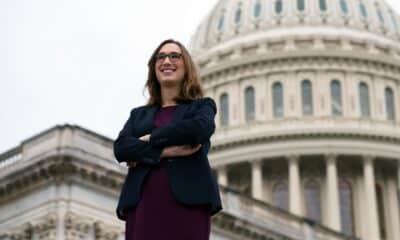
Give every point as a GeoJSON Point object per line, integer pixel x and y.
{"type": "Point", "coordinates": [10, 157]}
{"type": "Point", "coordinates": [305, 125]}
{"type": "Point", "coordinates": [268, 217]}
{"type": "Point", "coordinates": [293, 125]}
{"type": "Point", "coordinates": [66, 139]}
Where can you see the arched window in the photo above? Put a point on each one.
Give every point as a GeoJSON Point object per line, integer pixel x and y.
{"type": "Point", "coordinates": [239, 177]}
{"type": "Point", "coordinates": [221, 23]}
{"type": "Point", "coordinates": [344, 7]}
{"type": "Point", "coordinates": [322, 5]}
{"type": "Point", "coordinates": [249, 104]}
{"type": "Point", "coordinates": [306, 97]}
{"type": "Point", "coordinates": [381, 211]}
{"type": "Point", "coordinates": [380, 15]}
{"type": "Point", "coordinates": [257, 9]}
{"type": "Point", "coordinates": [277, 99]}
{"type": "Point", "coordinates": [313, 201]}
{"type": "Point", "coordinates": [278, 6]}
{"type": "Point", "coordinates": [364, 99]}
{"type": "Point", "coordinates": [336, 98]}
{"type": "Point", "coordinates": [300, 5]}
{"type": "Point", "coordinates": [280, 196]}
{"type": "Point", "coordinates": [363, 10]}
{"type": "Point", "coordinates": [389, 99]}
{"type": "Point", "coordinates": [346, 208]}
{"type": "Point", "coordinates": [395, 26]}
{"type": "Point", "coordinates": [238, 14]}
{"type": "Point", "coordinates": [224, 103]}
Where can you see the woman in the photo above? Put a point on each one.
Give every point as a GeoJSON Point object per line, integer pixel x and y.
{"type": "Point", "coordinates": [169, 192]}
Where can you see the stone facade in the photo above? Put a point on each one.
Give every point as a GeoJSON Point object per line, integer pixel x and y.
{"type": "Point", "coordinates": [63, 184]}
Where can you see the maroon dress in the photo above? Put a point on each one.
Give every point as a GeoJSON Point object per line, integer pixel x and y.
{"type": "Point", "coordinates": [158, 215]}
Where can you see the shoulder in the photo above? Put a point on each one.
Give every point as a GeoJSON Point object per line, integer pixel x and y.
{"type": "Point", "coordinates": [206, 102]}
{"type": "Point", "coordinates": [138, 109]}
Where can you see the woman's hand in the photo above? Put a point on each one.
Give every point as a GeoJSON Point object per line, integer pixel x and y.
{"type": "Point", "coordinates": [145, 138]}
{"type": "Point", "coordinates": [178, 151]}
{"type": "Point", "coordinates": [173, 151]}
{"type": "Point", "coordinates": [132, 164]}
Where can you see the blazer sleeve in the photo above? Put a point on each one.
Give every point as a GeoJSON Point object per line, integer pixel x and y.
{"type": "Point", "coordinates": [195, 130]}
{"type": "Point", "coordinates": [128, 148]}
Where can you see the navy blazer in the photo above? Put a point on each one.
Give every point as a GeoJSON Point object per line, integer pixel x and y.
{"type": "Point", "coordinates": [191, 178]}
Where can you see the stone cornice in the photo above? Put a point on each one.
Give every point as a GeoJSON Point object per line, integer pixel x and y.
{"type": "Point", "coordinates": [71, 126]}
{"type": "Point", "coordinates": [216, 146]}
{"type": "Point", "coordinates": [45, 226]}
{"type": "Point", "coordinates": [57, 170]}
{"type": "Point", "coordinates": [243, 229]}
{"type": "Point", "coordinates": [267, 64]}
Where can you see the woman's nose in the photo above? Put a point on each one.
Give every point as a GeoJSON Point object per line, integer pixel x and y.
{"type": "Point", "coordinates": [167, 60]}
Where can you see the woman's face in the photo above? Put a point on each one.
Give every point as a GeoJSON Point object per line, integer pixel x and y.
{"type": "Point", "coordinates": [169, 65]}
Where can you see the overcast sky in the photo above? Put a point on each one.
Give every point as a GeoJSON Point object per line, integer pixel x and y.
{"type": "Point", "coordinates": [82, 61]}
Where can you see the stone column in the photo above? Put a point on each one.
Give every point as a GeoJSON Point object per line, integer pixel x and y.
{"type": "Point", "coordinates": [333, 208]}
{"type": "Point", "coordinates": [294, 186]}
{"type": "Point", "coordinates": [256, 179]}
{"type": "Point", "coordinates": [61, 211]}
{"type": "Point", "coordinates": [393, 210]}
{"type": "Point", "coordinates": [222, 176]}
{"type": "Point", "coordinates": [398, 175]}
{"type": "Point", "coordinates": [370, 199]}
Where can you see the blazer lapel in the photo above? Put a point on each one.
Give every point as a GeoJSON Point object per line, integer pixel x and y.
{"type": "Point", "coordinates": [180, 110]}
{"type": "Point", "coordinates": [148, 122]}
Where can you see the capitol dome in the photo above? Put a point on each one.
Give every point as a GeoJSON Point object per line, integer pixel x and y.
{"type": "Point", "coordinates": [256, 20]}
{"type": "Point", "coordinates": [308, 97]}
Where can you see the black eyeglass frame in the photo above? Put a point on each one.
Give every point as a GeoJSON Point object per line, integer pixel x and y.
{"type": "Point", "coordinates": [173, 56]}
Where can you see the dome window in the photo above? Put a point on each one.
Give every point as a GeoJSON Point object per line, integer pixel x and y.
{"type": "Point", "coordinates": [363, 10]}
{"type": "Point", "coordinates": [336, 98]}
{"type": "Point", "coordinates": [364, 100]}
{"type": "Point", "coordinates": [257, 9]}
{"type": "Point", "coordinates": [313, 201]}
{"type": "Point", "coordinates": [277, 99]}
{"type": "Point", "coordinates": [238, 14]}
{"type": "Point", "coordinates": [396, 27]}
{"type": "Point", "coordinates": [323, 6]}
{"type": "Point", "coordinates": [280, 196]}
{"type": "Point", "coordinates": [390, 109]}
{"type": "Point", "coordinates": [249, 104]}
{"type": "Point", "coordinates": [278, 7]}
{"type": "Point", "coordinates": [380, 15]}
{"type": "Point", "coordinates": [346, 208]}
{"type": "Point", "coordinates": [221, 23]}
{"type": "Point", "coordinates": [300, 5]}
{"type": "Point", "coordinates": [306, 97]}
{"type": "Point", "coordinates": [344, 7]}
{"type": "Point", "coordinates": [224, 104]}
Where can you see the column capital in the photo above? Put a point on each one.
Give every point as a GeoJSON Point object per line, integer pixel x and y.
{"type": "Point", "coordinates": [333, 156]}
{"type": "Point", "coordinates": [255, 161]}
{"type": "Point", "coordinates": [368, 157]}
{"type": "Point", "coordinates": [292, 157]}
{"type": "Point", "coordinates": [221, 167]}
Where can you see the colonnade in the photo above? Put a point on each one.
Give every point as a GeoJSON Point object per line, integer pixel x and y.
{"type": "Point", "coordinates": [371, 230]}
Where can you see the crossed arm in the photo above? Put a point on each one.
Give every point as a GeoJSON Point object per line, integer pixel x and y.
{"type": "Point", "coordinates": [166, 140]}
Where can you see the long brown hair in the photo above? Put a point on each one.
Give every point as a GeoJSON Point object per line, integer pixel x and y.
{"type": "Point", "coordinates": [191, 86]}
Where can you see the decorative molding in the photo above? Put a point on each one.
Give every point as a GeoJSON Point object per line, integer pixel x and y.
{"type": "Point", "coordinates": [56, 170]}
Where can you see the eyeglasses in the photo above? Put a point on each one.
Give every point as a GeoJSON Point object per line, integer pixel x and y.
{"type": "Point", "coordinates": [173, 56]}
